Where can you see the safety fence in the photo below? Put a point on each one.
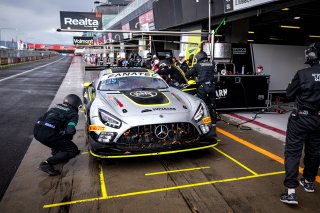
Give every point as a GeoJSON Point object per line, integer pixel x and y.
{"type": "Point", "coordinates": [19, 56]}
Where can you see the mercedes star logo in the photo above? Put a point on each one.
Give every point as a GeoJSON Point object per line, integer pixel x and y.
{"type": "Point", "coordinates": [161, 131]}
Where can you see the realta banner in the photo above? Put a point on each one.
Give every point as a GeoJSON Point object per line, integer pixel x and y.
{"type": "Point", "coordinates": [232, 5]}
{"type": "Point", "coordinates": [78, 40]}
{"type": "Point", "coordinates": [80, 20]}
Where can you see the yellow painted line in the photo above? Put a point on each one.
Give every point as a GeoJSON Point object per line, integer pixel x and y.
{"type": "Point", "coordinates": [178, 170]}
{"type": "Point", "coordinates": [192, 185]}
{"type": "Point", "coordinates": [103, 193]}
{"type": "Point", "coordinates": [84, 153]}
{"type": "Point", "coordinates": [151, 154]}
{"type": "Point", "coordinates": [234, 160]}
{"type": "Point", "coordinates": [73, 202]}
{"type": "Point", "coordinates": [102, 183]}
{"type": "Point", "coordinates": [258, 149]}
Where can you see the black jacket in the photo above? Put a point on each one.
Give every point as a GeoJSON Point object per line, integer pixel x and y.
{"type": "Point", "coordinates": [204, 70]}
{"type": "Point", "coordinates": [62, 119]}
{"type": "Point", "coordinates": [305, 88]}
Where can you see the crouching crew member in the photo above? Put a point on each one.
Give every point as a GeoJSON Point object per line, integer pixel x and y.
{"type": "Point", "coordinates": [204, 72]}
{"type": "Point", "coordinates": [55, 129]}
{"type": "Point", "coordinates": [303, 127]}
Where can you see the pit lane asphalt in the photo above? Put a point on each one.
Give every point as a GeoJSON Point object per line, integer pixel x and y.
{"type": "Point", "coordinates": [243, 173]}
{"type": "Point", "coordinates": [23, 99]}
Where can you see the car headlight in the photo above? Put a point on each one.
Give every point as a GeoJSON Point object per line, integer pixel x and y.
{"type": "Point", "coordinates": [109, 120]}
{"type": "Point", "coordinates": [199, 114]}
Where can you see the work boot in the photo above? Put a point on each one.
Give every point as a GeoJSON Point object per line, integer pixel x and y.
{"type": "Point", "coordinates": [289, 198]}
{"type": "Point", "coordinates": [308, 187]}
{"type": "Point", "coordinates": [48, 168]}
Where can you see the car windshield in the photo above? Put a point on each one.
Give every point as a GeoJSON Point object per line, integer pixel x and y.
{"type": "Point", "coordinates": [132, 83]}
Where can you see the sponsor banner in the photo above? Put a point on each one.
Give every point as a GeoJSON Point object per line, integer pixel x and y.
{"type": "Point", "coordinates": [232, 5]}
{"type": "Point", "coordinates": [80, 20]}
{"type": "Point", "coordinates": [146, 21]}
{"type": "Point", "coordinates": [79, 40]}
{"type": "Point", "coordinates": [126, 27]}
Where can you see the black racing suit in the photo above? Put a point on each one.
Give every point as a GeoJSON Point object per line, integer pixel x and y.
{"type": "Point", "coordinates": [204, 70]}
{"type": "Point", "coordinates": [183, 66]}
{"type": "Point", "coordinates": [172, 76]}
{"type": "Point", "coordinates": [55, 129]}
{"type": "Point", "coordinates": [303, 126]}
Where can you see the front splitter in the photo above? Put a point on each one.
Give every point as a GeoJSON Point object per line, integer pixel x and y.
{"type": "Point", "coordinates": [152, 153]}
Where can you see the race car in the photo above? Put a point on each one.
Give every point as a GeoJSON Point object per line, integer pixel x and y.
{"type": "Point", "coordinates": [133, 112]}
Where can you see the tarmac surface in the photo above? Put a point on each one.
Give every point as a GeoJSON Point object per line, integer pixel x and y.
{"type": "Point", "coordinates": [243, 173]}
{"type": "Point", "coordinates": [24, 97]}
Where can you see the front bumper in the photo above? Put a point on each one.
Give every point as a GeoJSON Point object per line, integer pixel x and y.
{"type": "Point", "coordinates": [112, 150]}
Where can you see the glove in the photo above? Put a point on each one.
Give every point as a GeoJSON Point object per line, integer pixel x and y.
{"type": "Point", "coordinates": [70, 130]}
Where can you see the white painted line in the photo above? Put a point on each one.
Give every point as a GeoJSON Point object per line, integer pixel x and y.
{"type": "Point", "coordinates": [30, 70]}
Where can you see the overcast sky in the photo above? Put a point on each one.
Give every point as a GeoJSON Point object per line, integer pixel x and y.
{"type": "Point", "coordinates": [36, 21]}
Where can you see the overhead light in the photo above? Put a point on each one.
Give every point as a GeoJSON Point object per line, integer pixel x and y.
{"type": "Point", "coordinates": [274, 39]}
{"type": "Point", "coordinates": [217, 35]}
{"type": "Point", "coordinates": [314, 36]}
{"type": "Point", "coordinates": [297, 18]}
{"type": "Point", "coordinates": [290, 27]}
{"type": "Point", "coordinates": [285, 9]}
{"type": "Point", "coordinates": [250, 32]}
{"type": "Point", "coordinates": [250, 40]}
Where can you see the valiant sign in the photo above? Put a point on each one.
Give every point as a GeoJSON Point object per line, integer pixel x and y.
{"type": "Point", "coordinates": [79, 20]}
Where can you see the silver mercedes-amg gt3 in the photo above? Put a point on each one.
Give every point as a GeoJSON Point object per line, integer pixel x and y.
{"type": "Point", "coordinates": [133, 112]}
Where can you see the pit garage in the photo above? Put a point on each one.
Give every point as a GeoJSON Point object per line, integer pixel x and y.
{"type": "Point", "coordinates": [243, 173]}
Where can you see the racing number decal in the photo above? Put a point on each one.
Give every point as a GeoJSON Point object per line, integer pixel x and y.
{"type": "Point", "coordinates": [97, 128]}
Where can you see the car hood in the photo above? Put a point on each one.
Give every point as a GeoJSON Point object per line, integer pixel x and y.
{"type": "Point", "coordinates": [145, 102]}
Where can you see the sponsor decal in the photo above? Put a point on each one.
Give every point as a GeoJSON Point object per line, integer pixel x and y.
{"type": "Point", "coordinates": [239, 51]}
{"type": "Point", "coordinates": [80, 20]}
{"type": "Point", "coordinates": [77, 40]}
{"type": "Point", "coordinates": [164, 109]}
{"type": "Point", "coordinates": [161, 131]}
{"type": "Point", "coordinates": [97, 128]}
{"type": "Point", "coordinates": [316, 77]}
{"type": "Point", "coordinates": [221, 93]}
{"type": "Point", "coordinates": [232, 5]}
{"type": "Point", "coordinates": [143, 94]}
{"type": "Point", "coordinates": [206, 120]}
{"type": "Point", "coordinates": [125, 74]}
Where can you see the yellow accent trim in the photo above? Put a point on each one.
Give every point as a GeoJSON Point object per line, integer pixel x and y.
{"type": "Point", "coordinates": [193, 185]}
{"type": "Point", "coordinates": [152, 154]}
{"type": "Point", "coordinates": [234, 160]}
{"type": "Point", "coordinates": [188, 89]}
{"type": "Point", "coordinates": [258, 149]}
{"type": "Point", "coordinates": [314, 36]}
{"type": "Point", "coordinates": [290, 27]}
{"type": "Point", "coordinates": [178, 170]}
{"type": "Point", "coordinates": [149, 104]}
